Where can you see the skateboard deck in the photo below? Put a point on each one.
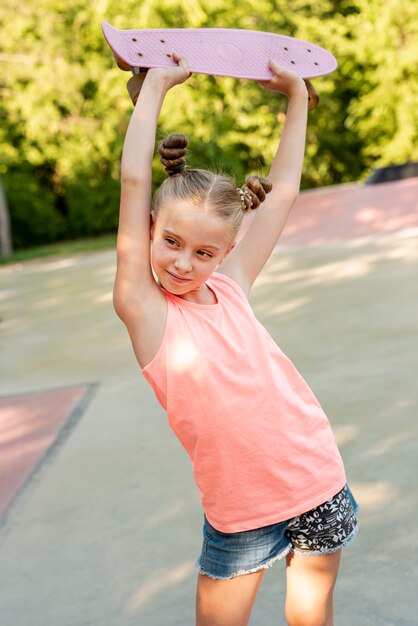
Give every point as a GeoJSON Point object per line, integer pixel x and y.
{"type": "Point", "coordinates": [217, 51]}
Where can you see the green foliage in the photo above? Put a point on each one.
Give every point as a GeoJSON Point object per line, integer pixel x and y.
{"type": "Point", "coordinates": [385, 115]}
{"type": "Point", "coordinates": [65, 110]}
{"type": "Point", "coordinates": [33, 208]}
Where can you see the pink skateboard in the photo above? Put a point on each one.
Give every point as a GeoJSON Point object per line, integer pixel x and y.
{"type": "Point", "coordinates": [216, 51]}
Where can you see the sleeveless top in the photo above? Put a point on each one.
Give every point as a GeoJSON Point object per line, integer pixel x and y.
{"type": "Point", "coordinates": [261, 446]}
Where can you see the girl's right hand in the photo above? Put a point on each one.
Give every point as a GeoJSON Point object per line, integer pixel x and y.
{"type": "Point", "coordinates": [167, 77]}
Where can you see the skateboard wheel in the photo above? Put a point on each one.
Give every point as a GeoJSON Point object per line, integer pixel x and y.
{"type": "Point", "coordinates": [313, 96]}
{"type": "Point", "coordinates": [134, 85]}
{"type": "Point", "coordinates": [123, 66]}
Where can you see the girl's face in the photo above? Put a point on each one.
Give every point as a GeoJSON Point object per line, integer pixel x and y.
{"type": "Point", "coordinates": [188, 243]}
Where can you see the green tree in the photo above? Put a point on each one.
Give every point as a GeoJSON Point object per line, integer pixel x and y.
{"type": "Point", "coordinates": [385, 53]}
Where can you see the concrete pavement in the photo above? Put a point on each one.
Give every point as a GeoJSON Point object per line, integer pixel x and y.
{"type": "Point", "coordinates": [106, 530]}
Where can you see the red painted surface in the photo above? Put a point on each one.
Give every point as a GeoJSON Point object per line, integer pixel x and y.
{"type": "Point", "coordinates": [29, 425]}
{"type": "Point", "coordinates": [347, 211]}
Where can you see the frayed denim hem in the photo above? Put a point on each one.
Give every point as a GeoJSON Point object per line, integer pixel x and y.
{"type": "Point", "coordinates": [347, 540]}
{"type": "Point", "coordinates": [241, 572]}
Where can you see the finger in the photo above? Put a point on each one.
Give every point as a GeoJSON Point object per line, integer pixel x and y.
{"type": "Point", "coordinates": [275, 67]}
{"type": "Point", "coordinates": [182, 61]}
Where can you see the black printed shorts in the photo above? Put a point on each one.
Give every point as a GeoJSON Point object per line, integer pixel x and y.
{"type": "Point", "coordinates": [322, 530]}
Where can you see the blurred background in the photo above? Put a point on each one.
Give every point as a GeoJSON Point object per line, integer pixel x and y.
{"type": "Point", "coordinates": [64, 108]}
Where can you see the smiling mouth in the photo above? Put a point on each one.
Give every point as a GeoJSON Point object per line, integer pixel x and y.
{"type": "Point", "coordinates": [183, 280]}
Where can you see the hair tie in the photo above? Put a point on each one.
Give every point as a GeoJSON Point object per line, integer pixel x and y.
{"type": "Point", "coordinates": [242, 195]}
{"type": "Point", "coordinates": [176, 169]}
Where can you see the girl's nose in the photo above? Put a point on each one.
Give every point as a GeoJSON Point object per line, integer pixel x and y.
{"type": "Point", "coordinates": [183, 264]}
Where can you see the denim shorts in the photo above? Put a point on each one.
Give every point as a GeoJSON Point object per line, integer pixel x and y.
{"type": "Point", "coordinates": [322, 530]}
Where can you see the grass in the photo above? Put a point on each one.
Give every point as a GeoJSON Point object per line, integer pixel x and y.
{"type": "Point", "coordinates": [61, 248]}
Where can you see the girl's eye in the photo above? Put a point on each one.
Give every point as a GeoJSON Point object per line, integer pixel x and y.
{"type": "Point", "coordinates": [170, 241]}
{"type": "Point", "coordinates": [203, 253]}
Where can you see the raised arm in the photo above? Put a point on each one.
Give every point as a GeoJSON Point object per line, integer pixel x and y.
{"type": "Point", "coordinates": [134, 273]}
{"type": "Point", "coordinates": [249, 256]}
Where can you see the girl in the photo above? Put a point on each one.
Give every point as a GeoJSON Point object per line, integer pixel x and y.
{"type": "Point", "coordinates": [267, 468]}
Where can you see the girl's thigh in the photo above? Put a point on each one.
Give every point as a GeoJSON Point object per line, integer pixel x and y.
{"type": "Point", "coordinates": [231, 567]}
{"type": "Point", "coordinates": [318, 537]}
{"type": "Point", "coordinates": [310, 582]}
{"type": "Point", "coordinates": [226, 602]}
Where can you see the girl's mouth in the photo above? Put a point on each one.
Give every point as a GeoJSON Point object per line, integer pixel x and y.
{"type": "Point", "coordinates": [176, 279]}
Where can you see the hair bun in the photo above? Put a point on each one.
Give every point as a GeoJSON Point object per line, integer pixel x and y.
{"type": "Point", "coordinates": [254, 191]}
{"type": "Point", "coordinates": [172, 150]}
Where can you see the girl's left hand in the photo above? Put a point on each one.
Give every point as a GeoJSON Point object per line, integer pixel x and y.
{"type": "Point", "coordinates": [284, 81]}
{"type": "Point", "coordinates": [289, 83]}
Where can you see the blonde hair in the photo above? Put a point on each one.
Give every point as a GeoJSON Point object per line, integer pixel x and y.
{"type": "Point", "coordinates": [202, 187]}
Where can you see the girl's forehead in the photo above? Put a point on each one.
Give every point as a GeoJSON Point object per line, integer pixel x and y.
{"type": "Point", "coordinates": [189, 221]}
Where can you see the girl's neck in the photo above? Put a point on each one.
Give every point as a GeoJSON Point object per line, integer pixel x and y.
{"type": "Point", "coordinates": [203, 295]}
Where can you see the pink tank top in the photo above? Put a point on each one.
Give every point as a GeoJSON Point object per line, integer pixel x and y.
{"type": "Point", "coordinates": [261, 446]}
